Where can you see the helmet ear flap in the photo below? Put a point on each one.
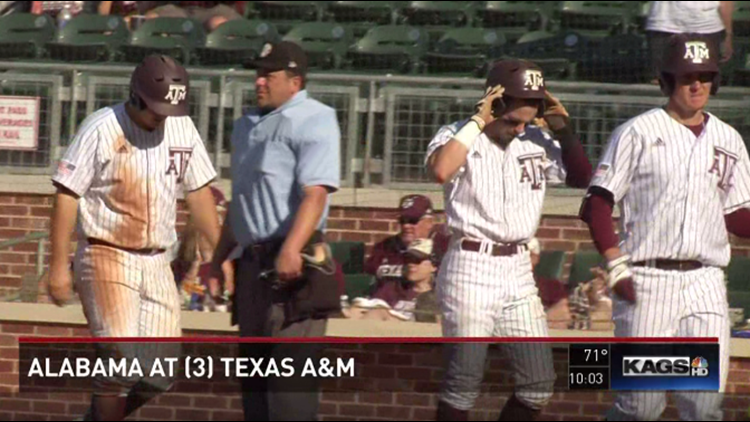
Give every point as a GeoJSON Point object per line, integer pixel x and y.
{"type": "Point", "coordinates": [136, 101]}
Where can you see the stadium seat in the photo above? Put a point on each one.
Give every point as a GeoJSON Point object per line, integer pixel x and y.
{"type": "Point", "coordinates": [325, 43]}
{"type": "Point", "coordinates": [438, 13]}
{"type": "Point", "coordinates": [738, 274]}
{"type": "Point", "coordinates": [550, 265]}
{"type": "Point", "coordinates": [741, 20]}
{"type": "Point", "coordinates": [23, 35]}
{"type": "Point", "coordinates": [359, 285]}
{"type": "Point", "coordinates": [556, 54]}
{"type": "Point", "coordinates": [236, 42]}
{"type": "Point", "coordinates": [621, 58]}
{"type": "Point", "coordinates": [89, 38]}
{"type": "Point", "coordinates": [176, 37]}
{"type": "Point", "coordinates": [287, 14]}
{"type": "Point", "coordinates": [597, 18]}
{"type": "Point", "coordinates": [580, 271]}
{"type": "Point", "coordinates": [396, 48]}
{"type": "Point", "coordinates": [351, 256]}
{"type": "Point", "coordinates": [363, 15]}
{"type": "Point", "coordinates": [514, 18]}
{"type": "Point", "coordinates": [464, 50]}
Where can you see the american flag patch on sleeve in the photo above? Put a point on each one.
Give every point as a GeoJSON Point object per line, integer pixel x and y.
{"type": "Point", "coordinates": [602, 170]}
{"type": "Point", "coordinates": [65, 168]}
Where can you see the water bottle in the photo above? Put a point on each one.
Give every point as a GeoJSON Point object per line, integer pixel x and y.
{"type": "Point", "coordinates": [64, 16]}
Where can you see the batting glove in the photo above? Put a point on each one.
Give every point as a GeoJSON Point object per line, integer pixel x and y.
{"type": "Point", "coordinates": [621, 278]}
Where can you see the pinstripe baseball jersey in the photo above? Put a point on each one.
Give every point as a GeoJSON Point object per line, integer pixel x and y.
{"type": "Point", "coordinates": [674, 188]}
{"type": "Point", "coordinates": [128, 178]}
{"type": "Point", "coordinates": [498, 194]}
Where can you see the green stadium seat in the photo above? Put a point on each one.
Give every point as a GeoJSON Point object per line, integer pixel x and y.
{"type": "Point", "coordinates": [464, 50]}
{"type": "Point", "coordinates": [556, 54]}
{"type": "Point", "coordinates": [580, 270]}
{"type": "Point", "coordinates": [363, 15]}
{"type": "Point", "coordinates": [597, 18]}
{"type": "Point", "coordinates": [359, 285]}
{"type": "Point", "coordinates": [236, 42]}
{"type": "Point", "coordinates": [550, 265]}
{"type": "Point", "coordinates": [89, 38]}
{"type": "Point", "coordinates": [176, 37]}
{"type": "Point", "coordinates": [738, 274]}
{"type": "Point", "coordinates": [741, 19]}
{"type": "Point", "coordinates": [23, 35]}
{"type": "Point", "coordinates": [325, 43]}
{"type": "Point", "coordinates": [515, 18]}
{"type": "Point", "coordinates": [438, 13]}
{"type": "Point", "coordinates": [287, 14]}
{"type": "Point", "coordinates": [396, 48]}
{"type": "Point", "coordinates": [351, 256]}
{"type": "Point", "coordinates": [621, 58]}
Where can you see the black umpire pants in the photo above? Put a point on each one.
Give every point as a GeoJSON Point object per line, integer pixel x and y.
{"type": "Point", "coordinates": [259, 310]}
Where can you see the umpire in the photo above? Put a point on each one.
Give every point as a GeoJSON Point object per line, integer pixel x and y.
{"type": "Point", "coordinates": [285, 163]}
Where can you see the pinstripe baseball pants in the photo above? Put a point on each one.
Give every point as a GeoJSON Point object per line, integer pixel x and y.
{"type": "Point", "coordinates": [128, 295]}
{"type": "Point", "coordinates": [669, 304]}
{"type": "Point", "coordinates": [485, 296]}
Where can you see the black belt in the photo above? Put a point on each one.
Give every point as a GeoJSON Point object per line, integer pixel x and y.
{"type": "Point", "coordinates": [271, 248]}
{"type": "Point", "coordinates": [670, 264]}
{"type": "Point", "coordinates": [145, 251]}
{"type": "Point", "coordinates": [497, 249]}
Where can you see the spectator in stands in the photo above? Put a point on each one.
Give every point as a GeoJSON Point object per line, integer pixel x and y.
{"type": "Point", "coordinates": [408, 299]}
{"type": "Point", "coordinates": [210, 13]}
{"type": "Point", "coordinates": [712, 19]}
{"type": "Point", "coordinates": [416, 222]}
{"type": "Point", "coordinates": [55, 8]}
{"type": "Point", "coordinates": [193, 264]}
{"type": "Point", "coordinates": [587, 307]}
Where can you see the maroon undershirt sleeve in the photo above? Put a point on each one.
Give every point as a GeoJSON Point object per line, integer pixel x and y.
{"type": "Point", "coordinates": [574, 159]}
{"type": "Point", "coordinates": [738, 222]}
{"type": "Point", "coordinates": [597, 213]}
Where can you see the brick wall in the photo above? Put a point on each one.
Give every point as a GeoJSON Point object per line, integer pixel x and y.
{"type": "Point", "coordinates": [21, 214]}
{"type": "Point", "coordinates": [411, 374]}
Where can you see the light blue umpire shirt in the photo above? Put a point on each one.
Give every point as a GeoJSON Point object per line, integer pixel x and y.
{"type": "Point", "coordinates": [274, 157]}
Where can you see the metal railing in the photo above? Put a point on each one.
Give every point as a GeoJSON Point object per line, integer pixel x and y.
{"type": "Point", "coordinates": [386, 120]}
{"type": "Point", "coordinates": [29, 286]}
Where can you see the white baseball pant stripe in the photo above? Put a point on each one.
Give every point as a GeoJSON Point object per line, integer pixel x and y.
{"type": "Point", "coordinates": [485, 296]}
{"type": "Point", "coordinates": [128, 295]}
{"type": "Point", "coordinates": [675, 304]}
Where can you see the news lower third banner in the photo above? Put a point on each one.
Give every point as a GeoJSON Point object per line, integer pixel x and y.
{"type": "Point", "coordinates": [373, 365]}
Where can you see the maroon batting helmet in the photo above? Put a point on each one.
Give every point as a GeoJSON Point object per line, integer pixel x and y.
{"type": "Point", "coordinates": [689, 53]}
{"type": "Point", "coordinates": [160, 84]}
{"type": "Point", "coordinates": [521, 79]}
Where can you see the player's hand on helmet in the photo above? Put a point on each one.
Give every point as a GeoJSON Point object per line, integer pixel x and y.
{"type": "Point", "coordinates": [555, 114]}
{"type": "Point", "coordinates": [60, 284]}
{"type": "Point", "coordinates": [621, 278]}
{"type": "Point", "coordinates": [483, 108]}
{"type": "Point", "coordinates": [288, 265]}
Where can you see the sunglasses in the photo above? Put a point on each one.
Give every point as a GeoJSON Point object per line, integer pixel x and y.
{"type": "Point", "coordinates": [407, 220]}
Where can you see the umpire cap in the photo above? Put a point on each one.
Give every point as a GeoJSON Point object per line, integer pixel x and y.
{"type": "Point", "coordinates": [689, 53]}
{"type": "Point", "coordinates": [162, 85]}
{"type": "Point", "coordinates": [520, 78]}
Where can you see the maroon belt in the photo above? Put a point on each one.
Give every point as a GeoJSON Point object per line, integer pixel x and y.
{"type": "Point", "coordinates": [670, 264]}
{"type": "Point", "coordinates": [496, 248]}
{"type": "Point", "coordinates": [147, 251]}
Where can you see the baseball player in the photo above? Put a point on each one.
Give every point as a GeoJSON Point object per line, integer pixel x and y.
{"type": "Point", "coordinates": [494, 168]}
{"type": "Point", "coordinates": [681, 178]}
{"type": "Point", "coordinates": [121, 177]}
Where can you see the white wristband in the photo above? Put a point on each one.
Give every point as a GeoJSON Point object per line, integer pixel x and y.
{"type": "Point", "coordinates": [468, 133]}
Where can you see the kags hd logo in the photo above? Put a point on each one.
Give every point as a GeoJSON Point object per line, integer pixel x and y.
{"type": "Point", "coordinates": [666, 366]}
